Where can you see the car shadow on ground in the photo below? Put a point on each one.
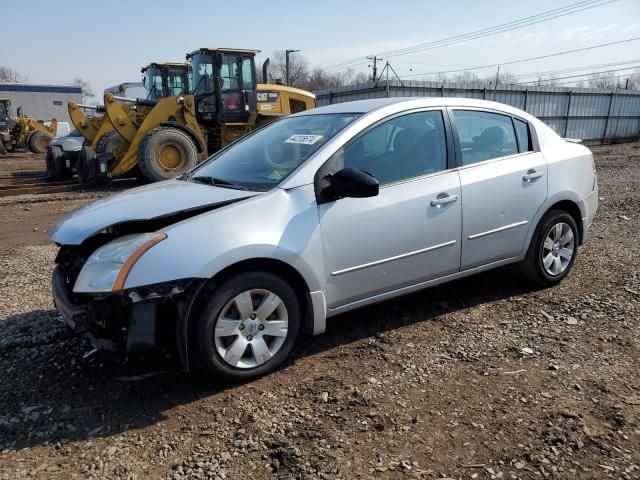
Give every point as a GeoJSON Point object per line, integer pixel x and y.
{"type": "Point", "coordinates": [50, 394]}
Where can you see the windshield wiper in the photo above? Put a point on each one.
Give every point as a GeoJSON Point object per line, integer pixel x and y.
{"type": "Point", "coordinates": [218, 182]}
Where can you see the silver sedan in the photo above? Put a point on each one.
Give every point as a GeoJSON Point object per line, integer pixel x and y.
{"type": "Point", "coordinates": [314, 215]}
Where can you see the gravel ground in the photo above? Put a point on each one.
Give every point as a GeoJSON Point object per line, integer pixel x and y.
{"type": "Point", "coordinates": [480, 378]}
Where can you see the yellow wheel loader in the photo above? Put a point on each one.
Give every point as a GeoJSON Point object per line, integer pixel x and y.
{"type": "Point", "coordinates": [225, 104]}
{"type": "Point", "coordinates": [22, 132]}
{"type": "Point", "coordinates": [160, 79]}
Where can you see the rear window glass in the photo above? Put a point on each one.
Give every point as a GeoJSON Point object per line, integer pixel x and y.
{"type": "Point", "coordinates": [524, 139]}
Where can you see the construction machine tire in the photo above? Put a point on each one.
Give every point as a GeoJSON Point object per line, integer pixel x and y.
{"type": "Point", "coordinates": [109, 142]}
{"type": "Point", "coordinates": [87, 167]}
{"type": "Point", "coordinates": [55, 163]}
{"type": "Point", "coordinates": [165, 153]}
{"type": "Point", "coordinates": [39, 141]}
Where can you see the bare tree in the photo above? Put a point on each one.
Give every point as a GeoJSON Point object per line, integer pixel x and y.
{"type": "Point", "coordinates": [602, 80]}
{"type": "Point", "coordinates": [507, 78]}
{"type": "Point", "coordinates": [466, 77]}
{"type": "Point", "coordinates": [85, 87]}
{"type": "Point", "coordinates": [9, 75]}
{"type": "Point", "coordinates": [298, 68]}
{"type": "Point", "coordinates": [351, 77]}
{"type": "Point", "coordinates": [633, 81]}
{"type": "Point", "coordinates": [439, 77]}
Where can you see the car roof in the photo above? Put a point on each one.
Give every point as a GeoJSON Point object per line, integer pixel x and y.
{"type": "Point", "coordinates": [366, 106]}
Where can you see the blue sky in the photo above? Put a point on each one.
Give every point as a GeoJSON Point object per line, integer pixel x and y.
{"type": "Point", "coordinates": [106, 43]}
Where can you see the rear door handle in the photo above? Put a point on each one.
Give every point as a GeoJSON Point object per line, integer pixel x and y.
{"type": "Point", "coordinates": [531, 175]}
{"type": "Point", "coordinates": [443, 200]}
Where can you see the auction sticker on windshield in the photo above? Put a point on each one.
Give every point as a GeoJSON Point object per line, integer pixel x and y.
{"type": "Point", "coordinates": [303, 139]}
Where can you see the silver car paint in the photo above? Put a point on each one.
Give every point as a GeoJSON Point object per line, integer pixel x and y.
{"type": "Point", "coordinates": [498, 205]}
{"type": "Point", "coordinates": [287, 225]}
{"type": "Point", "coordinates": [68, 143]}
{"type": "Point", "coordinates": [392, 240]}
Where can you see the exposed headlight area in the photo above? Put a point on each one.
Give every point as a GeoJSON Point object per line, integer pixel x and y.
{"type": "Point", "coordinates": [106, 270]}
{"type": "Point", "coordinates": [88, 288]}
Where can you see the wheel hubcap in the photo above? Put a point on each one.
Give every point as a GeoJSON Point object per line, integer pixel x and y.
{"type": "Point", "coordinates": [251, 328]}
{"type": "Point", "coordinates": [558, 248]}
{"type": "Point", "coordinates": [170, 157]}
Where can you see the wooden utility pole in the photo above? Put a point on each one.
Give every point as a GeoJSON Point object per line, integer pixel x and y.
{"type": "Point", "coordinates": [286, 54]}
{"type": "Point", "coordinates": [374, 59]}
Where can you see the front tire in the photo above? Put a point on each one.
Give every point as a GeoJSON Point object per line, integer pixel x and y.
{"type": "Point", "coordinates": [165, 153]}
{"type": "Point", "coordinates": [39, 141]}
{"type": "Point", "coordinates": [553, 249]}
{"type": "Point", "coordinates": [55, 163]}
{"type": "Point", "coordinates": [87, 167]}
{"type": "Point", "coordinates": [247, 327]}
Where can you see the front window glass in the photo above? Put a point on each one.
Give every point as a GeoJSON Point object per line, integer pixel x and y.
{"type": "Point", "coordinates": [230, 83]}
{"type": "Point", "coordinates": [153, 83]}
{"type": "Point", "coordinates": [263, 159]}
{"type": "Point", "coordinates": [248, 72]}
{"type": "Point", "coordinates": [401, 148]}
{"type": "Point", "coordinates": [484, 135]}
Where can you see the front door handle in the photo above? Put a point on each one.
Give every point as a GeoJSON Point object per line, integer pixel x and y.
{"type": "Point", "coordinates": [443, 200]}
{"type": "Point", "coordinates": [532, 175]}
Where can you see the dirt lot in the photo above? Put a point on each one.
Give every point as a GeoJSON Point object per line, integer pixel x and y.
{"type": "Point", "coordinates": [432, 385]}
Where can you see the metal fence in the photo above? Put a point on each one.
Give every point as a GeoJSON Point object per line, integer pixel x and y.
{"type": "Point", "coordinates": [594, 115]}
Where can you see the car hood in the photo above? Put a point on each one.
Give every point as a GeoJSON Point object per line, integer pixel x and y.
{"type": "Point", "coordinates": [143, 203]}
{"type": "Point", "coordinates": [68, 144]}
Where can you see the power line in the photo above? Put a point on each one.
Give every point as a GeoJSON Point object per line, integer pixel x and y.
{"type": "Point", "coordinates": [496, 29]}
{"type": "Point", "coordinates": [511, 62]}
{"type": "Point", "coordinates": [575, 69]}
{"type": "Point", "coordinates": [625, 75]}
{"type": "Point", "coordinates": [577, 76]}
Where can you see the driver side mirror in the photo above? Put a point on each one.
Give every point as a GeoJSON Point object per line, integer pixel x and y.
{"type": "Point", "coordinates": [351, 182]}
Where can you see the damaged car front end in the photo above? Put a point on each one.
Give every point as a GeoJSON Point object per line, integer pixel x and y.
{"type": "Point", "coordinates": [92, 266]}
{"type": "Point", "coordinates": [127, 321]}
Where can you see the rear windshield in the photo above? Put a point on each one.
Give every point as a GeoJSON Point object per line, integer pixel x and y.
{"type": "Point", "coordinates": [263, 159]}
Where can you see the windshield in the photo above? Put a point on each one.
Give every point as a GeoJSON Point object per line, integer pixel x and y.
{"type": "Point", "coordinates": [202, 65]}
{"type": "Point", "coordinates": [265, 158]}
{"type": "Point", "coordinates": [153, 83]}
{"type": "Point", "coordinates": [176, 81]}
{"type": "Point", "coordinates": [203, 78]}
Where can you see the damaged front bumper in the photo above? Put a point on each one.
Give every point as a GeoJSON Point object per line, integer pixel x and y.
{"type": "Point", "coordinates": [132, 321]}
{"type": "Point", "coordinates": [75, 316]}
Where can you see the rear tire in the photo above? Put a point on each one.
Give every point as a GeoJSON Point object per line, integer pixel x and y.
{"type": "Point", "coordinates": [259, 352]}
{"type": "Point", "coordinates": [3, 149]}
{"type": "Point", "coordinates": [55, 163]}
{"type": "Point", "coordinates": [166, 153]}
{"type": "Point", "coordinates": [39, 141]}
{"type": "Point", "coordinates": [553, 249]}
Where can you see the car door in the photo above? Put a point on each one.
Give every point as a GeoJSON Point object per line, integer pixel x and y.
{"type": "Point", "coordinates": [503, 182]}
{"type": "Point", "coordinates": [410, 231]}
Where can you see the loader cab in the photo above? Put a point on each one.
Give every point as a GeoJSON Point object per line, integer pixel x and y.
{"type": "Point", "coordinates": [165, 80]}
{"type": "Point", "coordinates": [224, 85]}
